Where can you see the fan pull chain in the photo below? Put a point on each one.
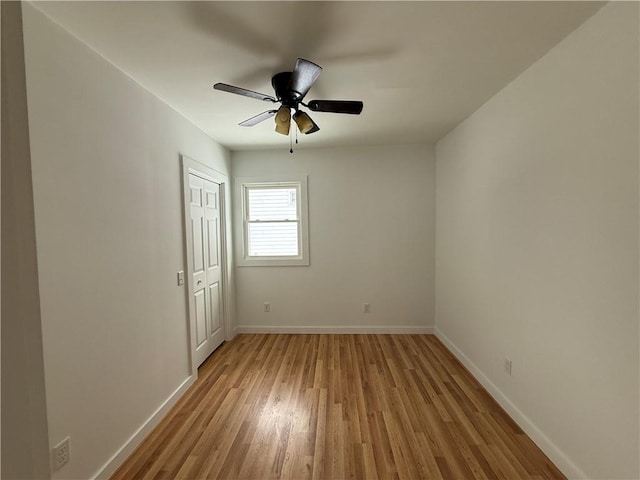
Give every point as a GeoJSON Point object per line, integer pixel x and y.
{"type": "Point", "coordinates": [296, 136]}
{"type": "Point", "coordinates": [290, 142]}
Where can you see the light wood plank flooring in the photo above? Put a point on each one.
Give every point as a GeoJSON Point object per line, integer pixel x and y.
{"type": "Point", "coordinates": [336, 407]}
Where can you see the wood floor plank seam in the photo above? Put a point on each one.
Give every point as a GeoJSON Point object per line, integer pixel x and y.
{"type": "Point", "coordinates": [333, 407]}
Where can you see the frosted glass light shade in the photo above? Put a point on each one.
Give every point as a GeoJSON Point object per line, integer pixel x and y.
{"type": "Point", "coordinates": [283, 120]}
{"type": "Point", "coordinates": [303, 121]}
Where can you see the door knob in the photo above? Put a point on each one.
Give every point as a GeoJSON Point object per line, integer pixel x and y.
{"type": "Point", "coordinates": [199, 282]}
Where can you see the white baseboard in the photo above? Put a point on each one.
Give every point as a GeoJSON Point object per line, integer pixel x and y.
{"type": "Point", "coordinates": [330, 329]}
{"type": "Point", "coordinates": [121, 455]}
{"type": "Point", "coordinates": [540, 439]}
{"type": "Point", "coordinates": [232, 333]}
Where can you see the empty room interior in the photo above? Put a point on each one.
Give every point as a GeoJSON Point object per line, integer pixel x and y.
{"type": "Point", "coordinates": [320, 240]}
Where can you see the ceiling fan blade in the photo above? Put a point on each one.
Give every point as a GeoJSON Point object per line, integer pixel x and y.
{"type": "Point", "coordinates": [250, 122]}
{"type": "Point", "coordinates": [223, 87]}
{"type": "Point", "coordinates": [304, 74]}
{"type": "Point", "coordinates": [336, 106]}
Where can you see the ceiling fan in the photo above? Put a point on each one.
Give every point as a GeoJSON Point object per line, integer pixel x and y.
{"type": "Point", "coordinates": [290, 89]}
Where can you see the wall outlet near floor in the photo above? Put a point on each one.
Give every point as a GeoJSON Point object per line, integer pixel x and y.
{"type": "Point", "coordinates": [507, 366]}
{"type": "Point", "coordinates": [366, 308]}
{"type": "Point", "coordinates": [267, 306]}
{"type": "Point", "coordinates": [61, 454]}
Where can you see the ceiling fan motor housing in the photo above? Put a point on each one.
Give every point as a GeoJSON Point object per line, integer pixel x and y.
{"type": "Point", "coordinates": [280, 83]}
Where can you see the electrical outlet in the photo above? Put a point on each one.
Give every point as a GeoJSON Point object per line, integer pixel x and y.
{"type": "Point", "coordinates": [267, 307]}
{"type": "Point", "coordinates": [61, 454]}
{"type": "Point", "coordinates": [507, 366]}
{"type": "Point", "coordinates": [366, 308]}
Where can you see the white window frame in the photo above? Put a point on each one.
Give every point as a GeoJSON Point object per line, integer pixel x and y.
{"type": "Point", "coordinates": [300, 184]}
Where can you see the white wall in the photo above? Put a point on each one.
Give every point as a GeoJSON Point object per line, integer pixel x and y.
{"type": "Point", "coordinates": [371, 230]}
{"type": "Point", "coordinates": [537, 246]}
{"type": "Point", "coordinates": [25, 449]}
{"type": "Point", "coordinates": [107, 188]}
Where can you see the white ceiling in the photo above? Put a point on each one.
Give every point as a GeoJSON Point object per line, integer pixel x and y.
{"type": "Point", "coordinates": [419, 67]}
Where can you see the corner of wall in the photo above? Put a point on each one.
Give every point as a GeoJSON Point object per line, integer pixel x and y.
{"type": "Point", "coordinates": [556, 455]}
{"type": "Point", "coordinates": [25, 449]}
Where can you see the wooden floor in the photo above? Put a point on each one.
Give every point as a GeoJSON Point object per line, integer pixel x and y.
{"type": "Point", "coordinates": [336, 407]}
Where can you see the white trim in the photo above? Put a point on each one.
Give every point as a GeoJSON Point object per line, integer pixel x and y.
{"type": "Point", "coordinates": [301, 184]}
{"type": "Point", "coordinates": [130, 445]}
{"type": "Point", "coordinates": [331, 329]}
{"type": "Point", "coordinates": [557, 456]}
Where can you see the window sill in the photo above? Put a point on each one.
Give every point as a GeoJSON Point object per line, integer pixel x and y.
{"type": "Point", "coordinates": [273, 262]}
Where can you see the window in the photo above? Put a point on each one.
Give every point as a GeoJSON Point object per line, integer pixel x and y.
{"type": "Point", "coordinates": [274, 224]}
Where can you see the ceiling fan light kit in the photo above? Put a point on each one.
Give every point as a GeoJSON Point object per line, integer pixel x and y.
{"type": "Point", "coordinates": [304, 122]}
{"type": "Point", "coordinates": [283, 120]}
{"type": "Point", "coordinates": [290, 89]}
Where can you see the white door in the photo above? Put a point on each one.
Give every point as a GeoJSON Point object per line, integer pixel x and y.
{"type": "Point", "coordinates": [207, 272]}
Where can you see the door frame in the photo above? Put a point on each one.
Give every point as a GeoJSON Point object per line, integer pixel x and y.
{"type": "Point", "coordinates": [191, 166]}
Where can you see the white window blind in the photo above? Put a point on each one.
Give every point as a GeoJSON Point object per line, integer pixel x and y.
{"type": "Point", "coordinates": [272, 223]}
